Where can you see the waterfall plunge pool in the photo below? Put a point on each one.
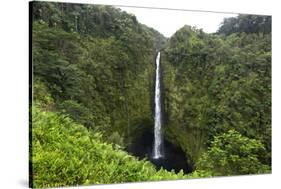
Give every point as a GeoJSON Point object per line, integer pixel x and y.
{"type": "Point", "coordinates": [173, 157]}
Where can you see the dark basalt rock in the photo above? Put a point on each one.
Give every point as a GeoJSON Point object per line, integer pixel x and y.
{"type": "Point", "coordinates": [174, 158]}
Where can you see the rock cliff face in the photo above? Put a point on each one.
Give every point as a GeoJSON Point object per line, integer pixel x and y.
{"type": "Point", "coordinates": [217, 82]}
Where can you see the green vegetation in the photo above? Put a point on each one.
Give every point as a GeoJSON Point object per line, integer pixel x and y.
{"type": "Point", "coordinates": [97, 63]}
{"type": "Point", "coordinates": [93, 81]}
{"type": "Point", "coordinates": [65, 153]}
{"type": "Point", "coordinates": [246, 23]}
{"type": "Point", "coordinates": [214, 83]}
{"type": "Point", "coordinates": [233, 154]}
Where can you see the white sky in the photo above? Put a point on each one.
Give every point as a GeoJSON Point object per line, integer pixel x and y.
{"type": "Point", "coordinates": [168, 22]}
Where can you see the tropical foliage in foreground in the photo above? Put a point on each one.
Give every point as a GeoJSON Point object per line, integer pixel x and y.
{"type": "Point", "coordinates": [66, 153]}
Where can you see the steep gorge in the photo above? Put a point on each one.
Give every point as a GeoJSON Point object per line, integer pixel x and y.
{"type": "Point", "coordinates": [96, 64]}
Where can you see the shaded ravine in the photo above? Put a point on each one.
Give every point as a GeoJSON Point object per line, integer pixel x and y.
{"type": "Point", "coordinates": [150, 144]}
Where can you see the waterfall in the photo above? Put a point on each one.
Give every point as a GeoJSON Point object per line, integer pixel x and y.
{"type": "Point", "coordinates": [158, 139]}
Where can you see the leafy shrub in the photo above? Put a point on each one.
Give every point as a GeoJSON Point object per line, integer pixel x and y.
{"type": "Point", "coordinates": [233, 154]}
{"type": "Point", "coordinates": [116, 139]}
{"type": "Point", "coordinates": [78, 112]}
{"type": "Point", "coordinates": [41, 94]}
{"type": "Point", "coordinates": [65, 153]}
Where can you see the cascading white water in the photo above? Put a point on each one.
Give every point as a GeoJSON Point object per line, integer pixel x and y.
{"type": "Point", "coordinates": [157, 152]}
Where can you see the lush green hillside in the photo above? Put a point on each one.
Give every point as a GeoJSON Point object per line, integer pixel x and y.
{"type": "Point", "coordinates": [65, 153]}
{"type": "Point", "coordinates": [97, 64]}
{"type": "Point", "coordinates": [216, 83]}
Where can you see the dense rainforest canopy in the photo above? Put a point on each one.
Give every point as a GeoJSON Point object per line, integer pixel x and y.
{"type": "Point", "coordinates": [93, 78]}
{"type": "Point", "coordinates": [214, 83]}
